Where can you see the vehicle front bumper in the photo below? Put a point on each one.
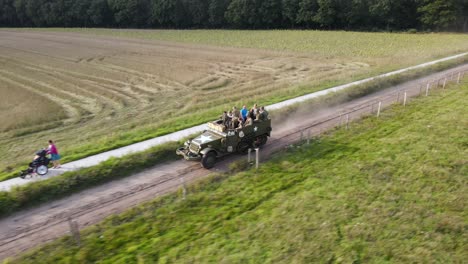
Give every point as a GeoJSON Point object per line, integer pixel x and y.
{"type": "Point", "coordinates": [187, 154]}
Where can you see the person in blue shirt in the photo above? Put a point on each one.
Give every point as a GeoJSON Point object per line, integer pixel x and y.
{"type": "Point", "coordinates": [244, 112]}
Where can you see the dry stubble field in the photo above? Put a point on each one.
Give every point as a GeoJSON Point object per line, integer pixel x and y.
{"type": "Point", "coordinates": [95, 91]}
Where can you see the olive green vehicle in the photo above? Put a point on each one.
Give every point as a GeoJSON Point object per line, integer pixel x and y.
{"type": "Point", "coordinates": [218, 141]}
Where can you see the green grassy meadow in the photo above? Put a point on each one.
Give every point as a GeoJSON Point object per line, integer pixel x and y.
{"type": "Point", "coordinates": [388, 190]}
{"type": "Point", "coordinates": [97, 99]}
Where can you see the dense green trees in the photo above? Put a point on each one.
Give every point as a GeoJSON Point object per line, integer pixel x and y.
{"type": "Point", "coordinates": [129, 13]}
{"type": "Point", "coordinates": [254, 13]}
{"type": "Point", "coordinates": [315, 14]}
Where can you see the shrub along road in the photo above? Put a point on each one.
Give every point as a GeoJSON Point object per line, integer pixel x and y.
{"type": "Point", "coordinates": [39, 225]}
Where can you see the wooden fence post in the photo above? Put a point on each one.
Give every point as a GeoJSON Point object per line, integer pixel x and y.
{"type": "Point", "coordinates": [184, 188]}
{"type": "Point", "coordinates": [427, 89]}
{"type": "Point", "coordinates": [378, 109]}
{"type": "Point", "coordinates": [347, 121]}
{"type": "Point", "coordinates": [74, 230]}
{"type": "Point", "coordinates": [404, 99]}
{"type": "Point", "coordinates": [458, 80]}
{"type": "Point", "coordinates": [308, 137]}
{"type": "Point", "coordinates": [445, 82]}
{"type": "Point", "coordinates": [257, 157]}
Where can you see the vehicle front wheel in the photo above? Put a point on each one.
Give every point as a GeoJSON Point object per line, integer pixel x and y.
{"type": "Point", "coordinates": [209, 160]}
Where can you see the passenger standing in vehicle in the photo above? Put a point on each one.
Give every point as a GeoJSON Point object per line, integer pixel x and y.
{"type": "Point", "coordinates": [255, 109]}
{"type": "Point", "coordinates": [235, 122]}
{"type": "Point", "coordinates": [224, 117]}
{"type": "Point", "coordinates": [265, 112]}
{"type": "Point", "coordinates": [260, 115]}
{"type": "Point", "coordinates": [251, 114]}
{"type": "Point", "coordinates": [241, 123]}
{"type": "Point", "coordinates": [249, 121]}
{"type": "Point", "coordinates": [229, 119]}
{"type": "Point", "coordinates": [244, 112]}
{"type": "Point", "coordinates": [235, 112]}
{"type": "Point", "coordinates": [55, 157]}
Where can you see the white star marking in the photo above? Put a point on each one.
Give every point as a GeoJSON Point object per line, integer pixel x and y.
{"type": "Point", "coordinates": [255, 129]}
{"type": "Point", "coordinates": [203, 139]}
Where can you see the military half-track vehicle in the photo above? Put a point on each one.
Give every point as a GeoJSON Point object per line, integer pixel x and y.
{"type": "Point", "coordinates": [218, 141]}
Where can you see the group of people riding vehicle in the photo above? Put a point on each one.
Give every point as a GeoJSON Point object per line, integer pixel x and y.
{"type": "Point", "coordinates": [236, 131]}
{"type": "Point", "coordinates": [236, 118]}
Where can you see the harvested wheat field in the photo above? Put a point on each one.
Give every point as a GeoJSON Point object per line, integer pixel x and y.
{"type": "Point", "coordinates": [92, 92]}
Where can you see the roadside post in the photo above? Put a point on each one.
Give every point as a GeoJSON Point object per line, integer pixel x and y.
{"type": "Point", "coordinates": [404, 99]}
{"type": "Point", "coordinates": [378, 109]}
{"type": "Point", "coordinates": [257, 156]}
{"type": "Point", "coordinates": [184, 188]}
{"type": "Point", "coordinates": [74, 230]}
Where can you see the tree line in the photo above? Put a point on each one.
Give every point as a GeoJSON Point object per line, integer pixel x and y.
{"type": "Point", "coordinates": [386, 15]}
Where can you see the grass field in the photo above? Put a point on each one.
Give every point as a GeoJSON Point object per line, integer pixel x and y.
{"type": "Point", "coordinates": [19, 109]}
{"type": "Point", "coordinates": [395, 49]}
{"type": "Point", "coordinates": [389, 190]}
{"type": "Point", "coordinates": [97, 89]}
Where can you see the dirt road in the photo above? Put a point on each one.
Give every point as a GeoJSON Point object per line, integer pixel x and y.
{"type": "Point", "coordinates": [30, 228]}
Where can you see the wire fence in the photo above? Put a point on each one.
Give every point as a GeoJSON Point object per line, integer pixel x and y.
{"type": "Point", "coordinates": [373, 107]}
